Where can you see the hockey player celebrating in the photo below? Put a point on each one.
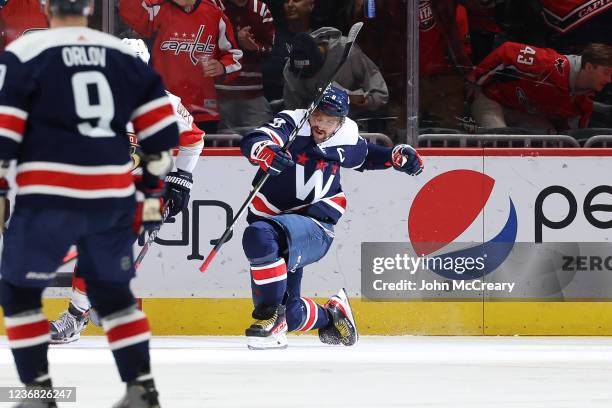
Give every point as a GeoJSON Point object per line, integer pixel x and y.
{"type": "Point", "coordinates": [292, 218]}
{"type": "Point", "coordinates": [75, 184]}
{"type": "Point", "coordinates": [178, 187]}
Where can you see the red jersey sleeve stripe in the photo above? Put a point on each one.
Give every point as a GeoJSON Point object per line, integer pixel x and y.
{"type": "Point", "coordinates": [9, 134]}
{"type": "Point", "coordinates": [272, 135]}
{"type": "Point", "coordinates": [12, 123]}
{"type": "Point", "coordinates": [153, 130]}
{"type": "Point", "coordinates": [152, 117]}
{"type": "Point", "coordinates": [12, 111]}
{"type": "Point", "coordinates": [149, 106]}
{"type": "Point", "coordinates": [226, 46]}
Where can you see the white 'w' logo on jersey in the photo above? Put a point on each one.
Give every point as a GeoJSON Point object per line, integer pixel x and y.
{"type": "Point", "coordinates": [315, 182]}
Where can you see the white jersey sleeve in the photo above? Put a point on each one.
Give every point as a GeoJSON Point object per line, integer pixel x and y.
{"type": "Point", "coordinates": [191, 140]}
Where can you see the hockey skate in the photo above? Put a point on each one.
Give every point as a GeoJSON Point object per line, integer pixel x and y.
{"type": "Point", "coordinates": [269, 331]}
{"type": "Point", "coordinates": [342, 329]}
{"type": "Point", "coordinates": [69, 326]}
{"type": "Point", "coordinates": [43, 385]}
{"type": "Point", "coordinates": [139, 394]}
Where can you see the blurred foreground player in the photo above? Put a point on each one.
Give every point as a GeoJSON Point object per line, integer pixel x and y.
{"type": "Point", "coordinates": [292, 218]}
{"type": "Point", "coordinates": [74, 320]}
{"type": "Point", "coordinates": [75, 185]}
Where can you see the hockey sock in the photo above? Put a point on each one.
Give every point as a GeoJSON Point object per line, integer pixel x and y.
{"type": "Point", "coordinates": [269, 283]}
{"type": "Point", "coordinates": [79, 297]}
{"type": "Point", "coordinates": [126, 327]}
{"type": "Point", "coordinates": [268, 269]}
{"type": "Point", "coordinates": [128, 336]}
{"type": "Point", "coordinates": [304, 314]}
{"type": "Point", "coordinates": [27, 330]}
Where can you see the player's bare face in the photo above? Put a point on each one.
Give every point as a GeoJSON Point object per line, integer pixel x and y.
{"type": "Point", "coordinates": [297, 9]}
{"type": "Point", "coordinates": [322, 126]}
{"type": "Point", "coordinates": [602, 76]}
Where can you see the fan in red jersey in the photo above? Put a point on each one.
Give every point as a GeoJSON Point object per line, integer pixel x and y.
{"type": "Point", "coordinates": [18, 17]}
{"type": "Point", "coordinates": [537, 87]}
{"type": "Point", "coordinates": [193, 47]}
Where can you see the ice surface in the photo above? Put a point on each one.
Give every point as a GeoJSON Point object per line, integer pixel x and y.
{"type": "Point", "coordinates": [385, 372]}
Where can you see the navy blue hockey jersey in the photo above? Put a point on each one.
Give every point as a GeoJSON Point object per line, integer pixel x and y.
{"type": "Point", "coordinates": [312, 187]}
{"type": "Point", "coordinates": [66, 96]}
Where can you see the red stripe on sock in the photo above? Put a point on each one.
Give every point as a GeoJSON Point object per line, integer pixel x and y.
{"type": "Point", "coordinates": [127, 330]}
{"type": "Point", "coordinates": [261, 274]}
{"type": "Point", "coordinates": [312, 318]}
{"type": "Point", "coordinates": [79, 284]}
{"type": "Point", "coordinates": [28, 331]}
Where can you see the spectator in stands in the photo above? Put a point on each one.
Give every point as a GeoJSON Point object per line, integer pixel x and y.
{"type": "Point", "coordinates": [193, 45]}
{"type": "Point", "coordinates": [343, 14]}
{"type": "Point", "coordinates": [534, 87]}
{"type": "Point", "coordinates": [17, 17]}
{"type": "Point", "coordinates": [576, 23]}
{"type": "Point", "coordinates": [443, 62]}
{"type": "Point", "coordinates": [242, 102]}
{"type": "Point", "coordinates": [484, 28]}
{"type": "Point", "coordinates": [297, 18]}
{"type": "Point", "coordinates": [388, 29]}
{"type": "Point", "coordinates": [567, 26]}
{"type": "Point", "coordinates": [313, 59]}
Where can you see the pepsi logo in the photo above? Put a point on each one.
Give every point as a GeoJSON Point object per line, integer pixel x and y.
{"type": "Point", "coordinates": [444, 208]}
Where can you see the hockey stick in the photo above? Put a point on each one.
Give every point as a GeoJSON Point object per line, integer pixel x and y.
{"type": "Point", "coordinates": [313, 105]}
{"type": "Point", "coordinates": [70, 256]}
{"type": "Point", "coordinates": [151, 238]}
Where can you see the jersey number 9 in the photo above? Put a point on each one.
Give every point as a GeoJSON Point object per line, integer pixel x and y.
{"type": "Point", "coordinates": [101, 109]}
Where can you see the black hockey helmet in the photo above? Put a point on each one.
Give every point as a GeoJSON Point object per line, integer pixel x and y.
{"type": "Point", "coordinates": [70, 7]}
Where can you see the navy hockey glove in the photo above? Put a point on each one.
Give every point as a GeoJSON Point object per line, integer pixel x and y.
{"type": "Point", "coordinates": [5, 205]}
{"type": "Point", "coordinates": [178, 191]}
{"type": "Point", "coordinates": [406, 159]}
{"type": "Point", "coordinates": [271, 158]}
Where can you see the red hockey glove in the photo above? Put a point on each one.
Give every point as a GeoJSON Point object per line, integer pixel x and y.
{"type": "Point", "coordinates": [271, 158]}
{"type": "Point", "coordinates": [406, 159]}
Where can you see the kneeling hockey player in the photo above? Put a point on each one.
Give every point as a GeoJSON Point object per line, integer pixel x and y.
{"type": "Point", "coordinates": [292, 218]}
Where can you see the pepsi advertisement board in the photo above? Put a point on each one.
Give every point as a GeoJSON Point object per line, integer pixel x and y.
{"type": "Point", "coordinates": [487, 199]}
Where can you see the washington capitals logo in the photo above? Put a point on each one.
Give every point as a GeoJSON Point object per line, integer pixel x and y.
{"type": "Point", "coordinates": [194, 48]}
